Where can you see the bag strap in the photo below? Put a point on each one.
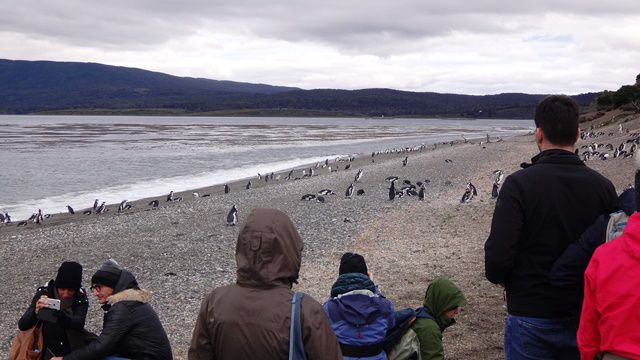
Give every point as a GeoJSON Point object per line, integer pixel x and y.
{"type": "Point", "coordinates": [296, 346]}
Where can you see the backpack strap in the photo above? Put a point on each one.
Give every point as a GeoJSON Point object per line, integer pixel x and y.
{"type": "Point", "coordinates": [296, 346]}
{"type": "Point", "coordinates": [421, 313]}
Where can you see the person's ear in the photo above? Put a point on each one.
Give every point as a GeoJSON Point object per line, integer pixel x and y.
{"type": "Point", "coordinates": [539, 136]}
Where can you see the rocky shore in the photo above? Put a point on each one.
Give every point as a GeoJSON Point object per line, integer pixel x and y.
{"type": "Point", "coordinates": [181, 250]}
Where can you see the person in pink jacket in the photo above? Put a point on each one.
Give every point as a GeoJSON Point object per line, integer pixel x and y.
{"type": "Point", "coordinates": [610, 320]}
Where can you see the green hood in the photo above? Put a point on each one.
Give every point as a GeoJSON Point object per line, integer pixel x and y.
{"type": "Point", "coordinates": [443, 295]}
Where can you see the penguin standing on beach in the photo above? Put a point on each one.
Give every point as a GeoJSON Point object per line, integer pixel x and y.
{"type": "Point", "coordinates": [421, 193]}
{"type": "Point", "coordinates": [2, 218]}
{"type": "Point", "coordinates": [122, 206]}
{"type": "Point", "coordinates": [70, 210]}
{"type": "Point", "coordinates": [232, 216]}
{"type": "Point", "coordinates": [95, 205]}
{"type": "Point", "coordinates": [154, 203]}
{"type": "Point", "coordinates": [499, 176]}
{"type": "Point", "coordinates": [226, 189]}
{"type": "Point", "coordinates": [102, 208]}
{"type": "Point", "coordinates": [405, 161]}
{"type": "Point", "coordinates": [248, 185]}
{"type": "Point", "coordinates": [170, 196]}
{"type": "Point", "coordinates": [392, 190]}
{"type": "Point", "coordinates": [349, 193]}
{"type": "Point", "coordinates": [358, 176]}
{"type": "Point", "coordinates": [494, 190]}
{"type": "Point", "coordinates": [7, 218]}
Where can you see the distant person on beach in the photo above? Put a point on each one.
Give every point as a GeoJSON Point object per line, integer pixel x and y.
{"type": "Point", "coordinates": [251, 318]}
{"type": "Point", "coordinates": [358, 313]}
{"type": "Point", "coordinates": [610, 321]}
{"type": "Point", "coordinates": [131, 328]}
{"type": "Point", "coordinates": [62, 329]}
{"type": "Point", "coordinates": [443, 301]}
{"type": "Point", "coordinates": [540, 210]}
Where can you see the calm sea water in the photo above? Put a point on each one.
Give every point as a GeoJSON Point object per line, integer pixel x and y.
{"type": "Point", "coordinates": [48, 162]}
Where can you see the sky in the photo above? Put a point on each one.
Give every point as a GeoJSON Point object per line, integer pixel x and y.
{"type": "Point", "coordinates": [450, 46]}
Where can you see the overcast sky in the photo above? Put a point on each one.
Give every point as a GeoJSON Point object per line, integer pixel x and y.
{"type": "Point", "coordinates": [453, 46]}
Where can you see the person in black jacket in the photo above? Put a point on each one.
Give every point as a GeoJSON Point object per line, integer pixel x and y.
{"type": "Point", "coordinates": [131, 328]}
{"type": "Point", "coordinates": [541, 209]}
{"type": "Point", "coordinates": [63, 330]}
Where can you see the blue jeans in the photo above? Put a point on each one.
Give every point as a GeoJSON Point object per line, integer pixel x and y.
{"type": "Point", "coordinates": [537, 338]}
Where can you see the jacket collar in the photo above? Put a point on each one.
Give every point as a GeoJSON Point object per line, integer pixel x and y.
{"type": "Point", "coordinates": [554, 156]}
{"type": "Point", "coordinates": [139, 295]}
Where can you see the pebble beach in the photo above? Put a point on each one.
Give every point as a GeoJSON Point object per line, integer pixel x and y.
{"type": "Point", "coordinates": [181, 250]}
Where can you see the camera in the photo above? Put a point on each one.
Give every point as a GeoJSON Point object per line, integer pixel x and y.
{"type": "Point", "coordinates": [53, 304]}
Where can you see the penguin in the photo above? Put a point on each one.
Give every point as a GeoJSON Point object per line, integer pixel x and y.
{"type": "Point", "coordinates": [232, 216]}
{"type": "Point", "coordinates": [70, 210]}
{"type": "Point", "coordinates": [349, 193]}
{"type": "Point", "coordinates": [320, 199]}
{"type": "Point", "coordinates": [95, 205]}
{"type": "Point", "coordinates": [170, 196]}
{"type": "Point", "coordinates": [494, 191]}
{"type": "Point", "coordinates": [347, 167]}
{"type": "Point", "coordinates": [22, 223]}
{"type": "Point", "coordinates": [472, 188]}
{"type": "Point", "coordinates": [195, 194]}
{"type": "Point", "coordinates": [392, 190]}
{"type": "Point", "coordinates": [2, 218]}
{"type": "Point", "coordinates": [248, 185]}
{"type": "Point", "coordinates": [467, 196]}
{"type": "Point", "coordinates": [358, 176]}
{"type": "Point", "coordinates": [154, 203]}
{"type": "Point", "coordinates": [308, 197]}
{"type": "Point", "coordinates": [421, 193]}
{"type": "Point", "coordinates": [122, 205]}
{"type": "Point", "coordinates": [360, 192]}
{"type": "Point", "coordinates": [7, 218]}
{"type": "Point", "coordinates": [226, 189]}
{"type": "Point", "coordinates": [39, 217]}
{"type": "Point", "coordinates": [405, 161]}
{"type": "Point", "coordinates": [326, 192]}
{"type": "Point", "coordinates": [499, 176]}
{"type": "Point", "coordinates": [88, 212]}
{"type": "Point", "coordinates": [392, 178]}
{"type": "Point", "coordinates": [102, 208]}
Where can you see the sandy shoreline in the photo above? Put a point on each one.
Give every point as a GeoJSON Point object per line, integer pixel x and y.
{"type": "Point", "coordinates": [406, 242]}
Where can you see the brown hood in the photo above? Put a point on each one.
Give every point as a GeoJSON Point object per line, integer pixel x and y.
{"type": "Point", "coordinates": [268, 251]}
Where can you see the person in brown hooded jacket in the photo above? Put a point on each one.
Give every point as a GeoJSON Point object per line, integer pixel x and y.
{"type": "Point", "coordinates": [251, 318]}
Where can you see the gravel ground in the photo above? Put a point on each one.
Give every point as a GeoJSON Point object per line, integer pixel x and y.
{"type": "Point", "coordinates": [182, 250]}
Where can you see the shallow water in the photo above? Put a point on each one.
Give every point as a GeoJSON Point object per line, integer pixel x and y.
{"type": "Point", "coordinates": [48, 162]}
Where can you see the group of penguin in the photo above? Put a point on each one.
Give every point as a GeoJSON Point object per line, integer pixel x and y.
{"type": "Point", "coordinates": [594, 150]}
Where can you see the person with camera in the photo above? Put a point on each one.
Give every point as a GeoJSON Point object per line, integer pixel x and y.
{"type": "Point", "coordinates": [131, 328]}
{"type": "Point", "coordinates": [61, 306]}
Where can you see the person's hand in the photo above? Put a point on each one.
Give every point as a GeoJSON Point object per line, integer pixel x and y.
{"type": "Point", "coordinates": [42, 303]}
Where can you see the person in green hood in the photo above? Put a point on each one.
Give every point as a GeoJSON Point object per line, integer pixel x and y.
{"type": "Point", "coordinates": [442, 302]}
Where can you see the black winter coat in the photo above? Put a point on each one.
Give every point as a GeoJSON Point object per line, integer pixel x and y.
{"type": "Point", "coordinates": [131, 328]}
{"type": "Point", "coordinates": [542, 209]}
{"type": "Point", "coordinates": [65, 335]}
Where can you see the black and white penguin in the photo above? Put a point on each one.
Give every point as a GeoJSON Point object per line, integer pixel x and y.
{"type": "Point", "coordinates": [358, 176]}
{"type": "Point", "coordinates": [494, 191]}
{"type": "Point", "coordinates": [349, 193]}
{"type": "Point", "coordinates": [360, 192]}
{"type": "Point", "coordinates": [102, 208]}
{"type": "Point", "coordinates": [499, 176]}
{"type": "Point", "coordinates": [472, 188]}
{"type": "Point", "coordinates": [226, 189]}
{"type": "Point", "coordinates": [39, 217]}
{"type": "Point", "coordinates": [467, 196]}
{"type": "Point", "coordinates": [2, 218]}
{"type": "Point", "coordinates": [248, 185]}
{"type": "Point", "coordinates": [421, 193]}
{"type": "Point", "coordinates": [326, 192]}
{"type": "Point", "coordinates": [232, 216]}
{"type": "Point", "coordinates": [320, 199]}
{"type": "Point", "coordinates": [347, 167]}
{"type": "Point", "coordinates": [123, 203]}
{"type": "Point", "coordinates": [7, 218]}
{"type": "Point", "coordinates": [308, 197]}
{"type": "Point", "coordinates": [170, 196]}
{"type": "Point", "coordinates": [392, 178]}
{"type": "Point", "coordinates": [154, 203]}
{"type": "Point", "coordinates": [392, 190]}
{"type": "Point", "coordinates": [95, 205]}
{"type": "Point", "coordinates": [88, 212]}
{"type": "Point", "coordinates": [195, 194]}
{"type": "Point", "coordinates": [70, 210]}
{"type": "Point", "coordinates": [405, 161]}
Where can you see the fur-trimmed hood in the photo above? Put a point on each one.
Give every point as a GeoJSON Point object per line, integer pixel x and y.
{"type": "Point", "coordinates": [139, 295]}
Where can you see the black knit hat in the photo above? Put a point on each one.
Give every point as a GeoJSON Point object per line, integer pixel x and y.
{"type": "Point", "coordinates": [69, 275]}
{"type": "Point", "coordinates": [108, 274]}
{"type": "Point", "coordinates": [353, 263]}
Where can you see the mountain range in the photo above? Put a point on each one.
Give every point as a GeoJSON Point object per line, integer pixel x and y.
{"type": "Point", "coordinates": [28, 87]}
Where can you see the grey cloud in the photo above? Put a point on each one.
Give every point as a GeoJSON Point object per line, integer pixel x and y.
{"type": "Point", "coordinates": [360, 26]}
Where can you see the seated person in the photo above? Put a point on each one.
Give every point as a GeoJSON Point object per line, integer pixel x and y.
{"type": "Point", "coordinates": [63, 329]}
{"type": "Point", "coordinates": [358, 314]}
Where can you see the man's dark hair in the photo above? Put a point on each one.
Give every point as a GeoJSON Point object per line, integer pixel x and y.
{"type": "Point", "coordinates": [557, 117]}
